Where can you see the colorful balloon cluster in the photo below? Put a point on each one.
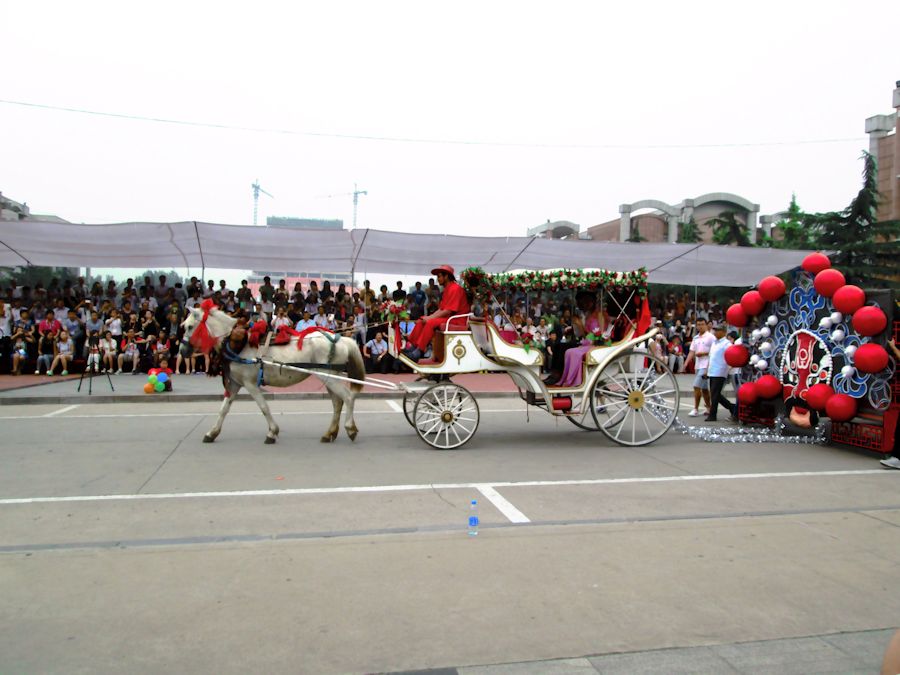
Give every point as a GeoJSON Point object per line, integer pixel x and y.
{"type": "Point", "coordinates": [156, 381]}
{"type": "Point", "coordinates": [848, 300]}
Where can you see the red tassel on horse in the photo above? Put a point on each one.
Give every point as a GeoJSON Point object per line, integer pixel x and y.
{"type": "Point", "coordinates": [201, 338]}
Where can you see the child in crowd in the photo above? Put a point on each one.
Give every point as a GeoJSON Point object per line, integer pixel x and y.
{"type": "Point", "coordinates": [107, 352]}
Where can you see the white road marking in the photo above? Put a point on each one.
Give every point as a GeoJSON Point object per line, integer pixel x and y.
{"type": "Point", "coordinates": [503, 505]}
{"type": "Point", "coordinates": [61, 410]}
{"type": "Point", "coordinates": [441, 486]}
{"type": "Point", "coordinates": [231, 414]}
{"type": "Point", "coordinates": [393, 405]}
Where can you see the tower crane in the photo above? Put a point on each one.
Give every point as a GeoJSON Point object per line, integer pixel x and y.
{"type": "Point", "coordinates": [356, 194]}
{"type": "Point", "coordinates": [256, 190]}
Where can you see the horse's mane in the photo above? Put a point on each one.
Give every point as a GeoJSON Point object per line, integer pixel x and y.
{"type": "Point", "coordinates": [219, 323]}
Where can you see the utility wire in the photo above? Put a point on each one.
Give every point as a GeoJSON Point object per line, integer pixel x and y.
{"type": "Point", "coordinates": [438, 141]}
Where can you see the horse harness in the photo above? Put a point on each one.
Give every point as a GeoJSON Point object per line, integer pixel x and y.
{"type": "Point", "coordinates": [236, 341]}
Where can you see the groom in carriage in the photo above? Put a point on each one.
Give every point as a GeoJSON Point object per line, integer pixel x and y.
{"type": "Point", "coordinates": [453, 303]}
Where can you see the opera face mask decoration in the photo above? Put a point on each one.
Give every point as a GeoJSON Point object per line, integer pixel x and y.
{"type": "Point", "coordinates": [806, 361]}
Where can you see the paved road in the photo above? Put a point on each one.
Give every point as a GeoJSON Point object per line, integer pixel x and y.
{"type": "Point", "coordinates": [127, 545]}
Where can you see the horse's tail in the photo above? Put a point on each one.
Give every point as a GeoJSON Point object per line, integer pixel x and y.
{"type": "Point", "coordinates": [356, 367]}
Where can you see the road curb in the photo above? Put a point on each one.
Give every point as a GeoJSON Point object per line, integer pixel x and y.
{"type": "Point", "coordinates": [172, 398]}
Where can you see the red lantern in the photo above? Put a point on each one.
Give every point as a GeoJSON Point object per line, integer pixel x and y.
{"type": "Point", "coordinates": [736, 316]}
{"type": "Point", "coordinates": [817, 396]}
{"type": "Point", "coordinates": [827, 282]}
{"type": "Point", "coordinates": [771, 289]}
{"type": "Point", "coordinates": [869, 321]}
{"type": "Point", "coordinates": [841, 407]}
{"type": "Point", "coordinates": [747, 393]}
{"type": "Point", "coordinates": [870, 358]}
{"type": "Point", "coordinates": [815, 263]}
{"type": "Point", "coordinates": [849, 298]}
{"type": "Point", "coordinates": [752, 303]}
{"type": "Point", "coordinates": [737, 356]}
{"type": "Point", "coordinates": [768, 386]}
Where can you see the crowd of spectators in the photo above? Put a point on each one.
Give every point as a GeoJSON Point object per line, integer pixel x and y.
{"type": "Point", "coordinates": [132, 327]}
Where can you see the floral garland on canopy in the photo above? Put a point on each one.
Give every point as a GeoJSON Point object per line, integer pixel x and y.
{"type": "Point", "coordinates": [476, 279]}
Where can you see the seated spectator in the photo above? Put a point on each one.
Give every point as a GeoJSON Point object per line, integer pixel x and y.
{"type": "Point", "coordinates": [46, 351]}
{"type": "Point", "coordinates": [281, 319]}
{"type": "Point", "coordinates": [676, 354]}
{"type": "Point", "coordinates": [130, 350]}
{"type": "Point", "coordinates": [161, 348]}
{"type": "Point", "coordinates": [22, 342]}
{"type": "Point", "coordinates": [305, 322]}
{"type": "Point", "coordinates": [108, 351]}
{"type": "Point", "coordinates": [163, 367]}
{"type": "Point", "coordinates": [49, 325]}
{"type": "Point", "coordinates": [321, 318]}
{"type": "Point", "coordinates": [65, 351]}
{"type": "Point", "coordinates": [375, 352]}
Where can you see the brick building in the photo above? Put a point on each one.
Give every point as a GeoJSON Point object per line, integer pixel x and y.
{"type": "Point", "coordinates": [884, 146]}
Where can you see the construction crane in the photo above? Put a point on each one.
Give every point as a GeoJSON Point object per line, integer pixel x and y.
{"type": "Point", "coordinates": [256, 190]}
{"type": "Point", "coordinates": [356, 193]}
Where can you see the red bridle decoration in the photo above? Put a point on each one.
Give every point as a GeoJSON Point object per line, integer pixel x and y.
{"type": "Point", "coordinates": [201, 338]}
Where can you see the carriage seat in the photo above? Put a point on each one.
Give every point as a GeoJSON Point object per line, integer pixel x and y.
{"type": "Point", "coordinates": [489, 341]}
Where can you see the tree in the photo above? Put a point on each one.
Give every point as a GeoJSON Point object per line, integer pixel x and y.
{"type": "Point", "coordinates": [635, 235]}
{"type": "Point", "coordinates": [798, 229]}
{"type": "Point", "coordinates": [727, 230]}
{"type": "Point", "coordinates": [689, 232]}
{"type": "Point", "coordinates": [865, 250]}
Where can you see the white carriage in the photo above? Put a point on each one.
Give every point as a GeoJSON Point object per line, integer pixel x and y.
{"type": "Point", "coordinates": [626, 393]}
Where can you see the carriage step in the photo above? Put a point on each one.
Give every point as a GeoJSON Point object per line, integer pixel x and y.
{"type": "Point", "coordinates": [533, 399]}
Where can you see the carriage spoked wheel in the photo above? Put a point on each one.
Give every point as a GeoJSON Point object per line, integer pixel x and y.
{"type": "Point", "coordinates": [634, 399]}
{"type": "Point", "coordinates": [446, 416]}
{"type": "Point", "coordinates": [409, 405]}
{"type": "Point", "coordinates": [584, 421]}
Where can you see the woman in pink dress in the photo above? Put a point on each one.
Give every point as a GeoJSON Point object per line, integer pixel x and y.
{"type": "Point", "coordinates": [594, 322]}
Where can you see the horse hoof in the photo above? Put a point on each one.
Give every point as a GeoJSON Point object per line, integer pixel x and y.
{"type": "Point", "coordinates": [269, 440]}
{"type": "Point", "coordinates": [208, 439]}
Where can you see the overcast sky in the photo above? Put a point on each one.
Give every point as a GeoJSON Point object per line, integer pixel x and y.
{"type": "Point", "coordinates": [502, 77]}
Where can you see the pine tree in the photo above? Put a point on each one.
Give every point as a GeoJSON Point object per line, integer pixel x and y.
{"type": "Point", "coordinates": [865, 250]}
{"type": "Point", "coordinates": [798, 229]}
{"type": "Point", "coordinates": [727, 229]}
{"type": "Point", "coordinates": [689, 232]}
{"type": "Point", "coordinates": [635, 235]}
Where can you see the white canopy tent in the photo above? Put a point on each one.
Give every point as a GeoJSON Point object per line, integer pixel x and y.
{"type": "Point", "coordinates": [193, 244]}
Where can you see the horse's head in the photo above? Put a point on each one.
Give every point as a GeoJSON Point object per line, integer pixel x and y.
{"type": "Point", "coordinates": [205, 327]}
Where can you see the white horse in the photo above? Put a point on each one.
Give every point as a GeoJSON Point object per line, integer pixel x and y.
{"type": "Point", "coordinates": [242, 369]}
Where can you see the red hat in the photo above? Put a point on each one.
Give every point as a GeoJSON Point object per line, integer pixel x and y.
{"type": "Point", "coordinates": [444, 268]}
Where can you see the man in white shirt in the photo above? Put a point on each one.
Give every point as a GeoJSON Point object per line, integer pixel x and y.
{"type": "Point", "coordinates": [699, 350]}
{"type": "Point", "coordinates": [717, 371]}
{"type": "Point", "coordinates": [306, 322]}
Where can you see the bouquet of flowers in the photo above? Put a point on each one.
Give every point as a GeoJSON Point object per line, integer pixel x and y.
{"type": "Point", "coordinates": [393, 311]}
{"type": "Point", "coordinates": [598, 339]}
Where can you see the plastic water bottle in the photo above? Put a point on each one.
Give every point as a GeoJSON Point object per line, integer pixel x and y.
{"type": "Point", "coordinates": [473, 519]}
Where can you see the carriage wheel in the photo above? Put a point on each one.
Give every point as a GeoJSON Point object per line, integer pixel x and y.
{"type": "Point", "coordinates": [446, 416]}
{"type": "Point", "coordinates": [409, 405]}
{"type": "Point", "coordinates": [634, 405]}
